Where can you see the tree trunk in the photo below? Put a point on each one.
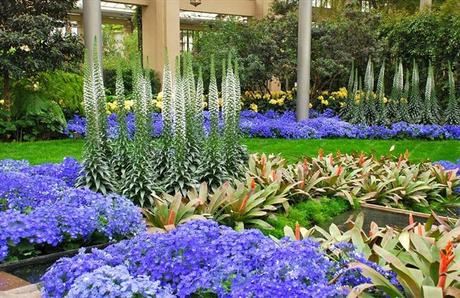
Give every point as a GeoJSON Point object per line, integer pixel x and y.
{"type": "Point", "coordinates": [7, 92]}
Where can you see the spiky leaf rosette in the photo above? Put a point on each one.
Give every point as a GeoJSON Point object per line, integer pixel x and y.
{"type": "Point", "coordinates": [396, 94]}
{"type": "Point", "coordinates": [432, 110]}
{"type": "Point", "coordinates": [141, 111]}
{"type": "Point", "coordinates": [137, 182]}
{"type": "Point", "coordinates": [381, 107]}
{"type": "Point", "coordinates": [95, 174]}
{"type": "Point", "coordinates": [368, 102]}
{"type": "Point", "coordinates": [232, 147]}
{"type": "Point", "coordinates": [213, 98]}
{"type": "Point", "coordinates": [119, 147]}
{"type": "Point", "coordinates": [199, 95]}
{"type": "Point", "coordinates": [168, 103]}
{"type": "Point", "coordinates": [180, 176]}
{"type": "Point", "coordinates": [369, 77]}
{"type": "Point", "coordinates": [99, 93]}
{"type": "Point", "coordinates": [404, 101]}
{"type": "Point", "coordinates": [415, 99]}
{"type": "Point", "coordinates": [212, 168]}
{"type": "Point", "coordinates": [351, 79]}
{"type": "Point", "coordinates": [452, 114]}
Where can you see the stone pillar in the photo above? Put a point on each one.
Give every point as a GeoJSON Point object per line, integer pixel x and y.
{"type": "Point", "coordinates": [160, 31]}
{"type": "Point", "coordinates": [92, 24]}
{"type": "Point", "coordinates": [426, 4]}
{"type": "Point", "coordinates": [303, 60]}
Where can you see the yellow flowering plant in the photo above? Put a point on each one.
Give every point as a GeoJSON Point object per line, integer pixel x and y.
{"type": "Point", "coordinates": [259, 101]}
{"type": "Point", "coordinates": [333, 100]}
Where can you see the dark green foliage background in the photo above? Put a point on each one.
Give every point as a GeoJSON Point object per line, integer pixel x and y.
{"type": "Point", "coordinates": [268, 47]}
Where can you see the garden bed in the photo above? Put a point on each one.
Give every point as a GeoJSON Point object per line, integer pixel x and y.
{"type": "Point", "coordinates": [384, 216]}
{"type": "Point", "coordinates": [284, 125]}
{"type": "Point", "coordinates": [41, 212]}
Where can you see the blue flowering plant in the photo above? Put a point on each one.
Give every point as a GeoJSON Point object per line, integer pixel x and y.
{"type": "Point", "coordinates": [41, 212]}
{"type": "Point", "coordinates": [203, 259]}
{"type": "Point", "coordinates": [272, 124]}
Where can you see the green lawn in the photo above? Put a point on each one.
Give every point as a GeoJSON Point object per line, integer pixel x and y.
{"type": "Point", "coordinates": [55, 151]}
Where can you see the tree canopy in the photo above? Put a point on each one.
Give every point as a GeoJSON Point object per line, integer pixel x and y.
{"type": "Point", "coordinates": [32, 39]}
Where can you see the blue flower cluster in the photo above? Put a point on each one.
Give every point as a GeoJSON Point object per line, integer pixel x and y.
{"type": "Point", "coordinates": [448, 165]}
{"type": "Point", "coordinates": [115, 282]}
{"type": "Point", "coordinates": [283, 125]}
{"type": "Point", "coordinates": [39, 208]}
{"type": "Point", "coordinates": [201, 257]}
{"type": "Point", "coordinates": [67, 171]}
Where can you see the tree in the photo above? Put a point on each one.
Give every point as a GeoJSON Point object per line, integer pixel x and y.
{"type": "Point", "coordinates": [30, 42]}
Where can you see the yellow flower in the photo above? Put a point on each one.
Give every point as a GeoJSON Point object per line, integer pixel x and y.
{"type": "Point", "coordinates": [273, 101]}
{"type": "Point", "coordinates": [129, 104]}
{"type": "Point", "coordinates": [310, 105]}
{"type": "Point", "coordinates": [254, 107]}
{"type": "Point", "coordinates": [112, 107]}
{"type": "Point", "coordinates": [160, 96]}
{"type": "Point", "coordinates": [221, 102]}
{"type": "Point", "coordinates": [204, 104]}
{"type": "Point", "coordinates": [325, 92]}
{"type": "Point", "coordinates": [342, 104]}
{"type": "Point", "coordinates": [385, 100]}
{"type": "Point", "coordinates": [159, 104]}
{"type": "Point", "coordinates": [325, 102]}
{"type": "Point", "coordinates": [280, 102]}
{"type": "Point", "coordinates": [321, 97]}
{"type": "Point", "coordinates": [2, 101]}
{"type": "Point", "coordinates": [343, 93]}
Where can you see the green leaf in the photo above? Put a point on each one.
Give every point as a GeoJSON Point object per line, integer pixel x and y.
{"type": "Point", "coordinates": [377, 279]}
{"type": "Point", "coordinates": [432, 292]}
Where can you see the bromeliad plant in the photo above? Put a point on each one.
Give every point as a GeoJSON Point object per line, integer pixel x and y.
{"type": "Point", "coordinates": [425, 258]}
{"type": "Point", "coordinates": [388, 180]}
{"type": "Point", "coordinates": [240, 205]}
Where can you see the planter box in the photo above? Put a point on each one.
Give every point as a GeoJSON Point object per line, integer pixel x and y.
{"type": "Point", "coordinates": [32, 269]}
{"type": "Point", "coordinates": [383, 216]}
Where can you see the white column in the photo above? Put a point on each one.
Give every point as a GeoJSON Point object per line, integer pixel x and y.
{"type": "Point", "coordinates": [92, 23]}
{"type": "Point", "coordinates": [425, 4]}
{"type": "Point", "coordinates": [303, 59]}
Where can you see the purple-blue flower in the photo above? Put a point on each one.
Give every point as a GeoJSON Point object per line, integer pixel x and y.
{"type": "Point", "coordinates": [201, 257]}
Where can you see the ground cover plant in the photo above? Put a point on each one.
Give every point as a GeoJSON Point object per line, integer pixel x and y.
{"type": "Point", "coordinates": [204, 259]}
{"type": "Point", "coordinates": [42, 212]}
{"type": "Point", "coordinates": [284, 125]}
{"type": "Point", "coordinates": [272, 186]}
